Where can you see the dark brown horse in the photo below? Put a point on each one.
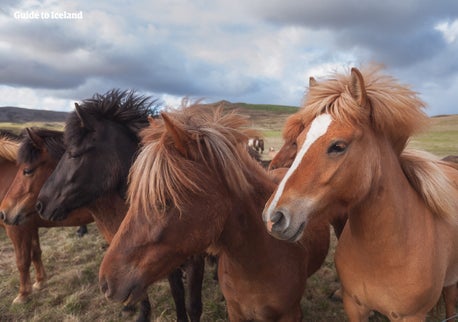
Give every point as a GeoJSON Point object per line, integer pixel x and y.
{"type": "Point", "coordinates": [195, 181]}
{"type": "Point", "coordinates": [101, 139]}
{"type": "Point", "coordinates": [24, 237]}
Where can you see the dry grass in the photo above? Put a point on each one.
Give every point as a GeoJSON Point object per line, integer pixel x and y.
{"type": "Point", "coordinates": [72, 292]}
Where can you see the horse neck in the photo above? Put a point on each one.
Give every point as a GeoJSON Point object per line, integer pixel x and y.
{"type": "Point", "coordinates": [244, 237]}
{"type": "Point", "coordinates": [8, 171]}
{"type": "Point", "coordinates": [108, 212]}
{"type": "Point", "coordinates": [391, 209]}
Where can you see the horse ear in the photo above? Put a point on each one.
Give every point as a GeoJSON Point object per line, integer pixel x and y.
{"type": "Point", "coordinates": [37, 141]}
{"type": "Point", "coordinates": [179, 136]}
{"type": "Point", "coordinates": [357, 87]}
{"type": "Point", "coordinates": [83, 119]}
{"type": "Point", "coordinates": [312, 82]}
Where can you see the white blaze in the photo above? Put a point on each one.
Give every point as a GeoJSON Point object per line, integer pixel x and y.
{"type": "Point", "coordinates": [318, 128]}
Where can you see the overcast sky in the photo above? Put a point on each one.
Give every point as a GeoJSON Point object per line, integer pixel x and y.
{"type": "Point", "coordinates": [53, 52]}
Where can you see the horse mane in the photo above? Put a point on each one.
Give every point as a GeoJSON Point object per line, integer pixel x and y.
{"type": "Point", "coordinates": [424, 172]}
{"type": "Point", "coordinates": [9, 144]}
{"type": "Point", "coordinates": [162, 175]}
{"type": "Point", "coordinates": [293, 127]}
{"type": "Point", "coordinates": [123, 107]}
{"type": "Point", "coordinates": [394, 110]}
{"type": "Point", "coordinates": [52, 140]}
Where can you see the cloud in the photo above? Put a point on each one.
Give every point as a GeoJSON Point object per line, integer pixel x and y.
{"type": "Point", "coordinates": [253, 51]}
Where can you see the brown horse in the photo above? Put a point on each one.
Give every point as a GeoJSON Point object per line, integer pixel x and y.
{"type": "Point", "coordinates": [400, 246]}
{"type": "Point", "coordinates": [101, 141]}
{"type": "Point", "coordinates": [24, 237]}
{"type": "Point", "coordinates": [194, 180]}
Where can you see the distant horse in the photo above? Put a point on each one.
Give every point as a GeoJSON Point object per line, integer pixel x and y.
{"type": "Point", "coordinates": [194, 180]}
{"type": "Point", "coordinates": [400, 245]}
{"type": "Point", "coordinates": [24, 237]}
{"type": "Point", "coordinates": [256, 143]}
{"type": "Point", "coordinates": [101, 142]}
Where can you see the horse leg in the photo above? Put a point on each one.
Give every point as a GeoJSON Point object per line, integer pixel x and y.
{"type": "Point", "coordinates": [82, 230]}
{"type": "Point", "coordinates": [145, 310]}
{"type": "Point", "coordinates": [22, 244]}
{"type": "Point", "coordinates": [177, 289]}
{"type": "Point", "coordinates": [194, 277]}
{"type": "Point", "coordinates": [40, 274]}
{"type": "Point", "coordinates": [450, 297]}
{"type": "Point", "coordinates": [355, 311]}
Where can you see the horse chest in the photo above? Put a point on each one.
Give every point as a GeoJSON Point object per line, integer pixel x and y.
{"type": "Point", "coordinates": [392, 287]}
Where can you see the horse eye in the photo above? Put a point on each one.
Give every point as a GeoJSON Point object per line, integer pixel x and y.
{"type": "Point", "coordinates": [27, 171]}
{"type": "Point", "coordinates": [294, 144]}
{"type": "Point", "coordinates": [337, 147]}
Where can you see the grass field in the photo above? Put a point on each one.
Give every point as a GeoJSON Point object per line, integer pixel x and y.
{"type": "Point", "coordinates": [72, 292]}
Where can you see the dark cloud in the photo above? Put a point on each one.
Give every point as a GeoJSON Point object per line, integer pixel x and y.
{"type": "Point", "coordinates": [380, 16]}
{"type": "Point", "coordinates": [394, 32]}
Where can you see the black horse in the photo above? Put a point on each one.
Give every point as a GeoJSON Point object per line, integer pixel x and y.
{"type": "Point", "coordinates": [101, 139]}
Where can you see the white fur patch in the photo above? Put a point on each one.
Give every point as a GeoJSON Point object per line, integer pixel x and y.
{"type": "Point", "coordinates": [318, 128]}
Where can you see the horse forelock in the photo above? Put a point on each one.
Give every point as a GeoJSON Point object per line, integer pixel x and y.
{"type": "Point", "coordinates": [52, 140]}
{"type": "Point", "coordinates": [9, 145]}
{"type": "Point", "coordinates": [394, 111]}
{"type": "Point", "coordinates": [161, 175]}
{"type": "Point", "coordinates": [126, 108]}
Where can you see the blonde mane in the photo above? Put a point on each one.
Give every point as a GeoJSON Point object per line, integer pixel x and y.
{"type": "Point", "coordinates": [161, 175]}
{"type": "Point", "coordinates": [394, 111]}
{"type": "Point", "coordinates": [426, 175]}
{"type": "Point", "coordinates": [8, 148]}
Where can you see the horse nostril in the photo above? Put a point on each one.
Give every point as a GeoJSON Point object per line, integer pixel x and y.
{"type": "Point", "coordinates": [278, 221]}
{"type": "Point", "coordinates": [39, 207]}
{"type": "Point", "coordinates": [2, 215]}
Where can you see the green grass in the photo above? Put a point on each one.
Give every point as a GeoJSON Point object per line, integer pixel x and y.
{"type": "Point", "coordinates": [270, 108]}
{"type": "Point", "coordinates": [17, 127]}
{"type": "Point", "coordinates": [441, 138]}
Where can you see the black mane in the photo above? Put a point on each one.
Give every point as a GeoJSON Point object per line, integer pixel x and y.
{"type": "Point", "coordinates": [53, 141]}
{"type": "Point", "coordinates": [123, 107]}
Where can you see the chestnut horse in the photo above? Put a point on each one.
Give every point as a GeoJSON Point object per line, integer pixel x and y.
{"type": "Point", "coordinates": [24, 237]}
{"type": "Point", "coordinates": [194, 180]}
{"type": "Point", "coordinates": [101, 142]}
{"type": "Point", "coordinates": [399, 248]}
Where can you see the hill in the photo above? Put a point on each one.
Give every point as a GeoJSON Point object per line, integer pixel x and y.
{"type": "Point", "coordinates": [262, 116]}
{"type": "Point", "coordinates": [11, 114]}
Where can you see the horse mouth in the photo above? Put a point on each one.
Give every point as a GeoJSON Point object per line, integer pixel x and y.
{"type": "Point", "coordinates": [19, 219]}
{"type": "Point", "coordinates": [22, 218]}
{"type": "Point", "coordinates": [127, 296]}
{"type": "Point", "coordinates": [297, 235]}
